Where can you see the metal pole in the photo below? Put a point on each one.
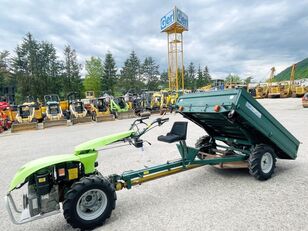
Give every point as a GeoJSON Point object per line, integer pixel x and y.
{"type": "Point", "coordinates": [176, 60]}
{"type": "Point", "coordinates": [168, 44]}
{"type": "Point", "coordinates": [182, 49]}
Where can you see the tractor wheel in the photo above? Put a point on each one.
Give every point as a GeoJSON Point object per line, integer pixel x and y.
{"type": "Point", "coordinates": [204, 144]}
{"type": "Point", "coordinates": [262, 162]}
{"type": "Point", "coordinates": [89, 202]}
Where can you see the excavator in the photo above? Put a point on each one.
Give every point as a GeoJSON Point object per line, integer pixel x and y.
{"type": "Point", "coordinates": [273, 88]}
{"type": "Point", "coordinates": [53, 112]}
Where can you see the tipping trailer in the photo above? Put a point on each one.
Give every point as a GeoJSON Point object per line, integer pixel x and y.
{"type": "Point", "coordinates": [239, 121]}
{"type": "Point", "coordinates": [249, 135]}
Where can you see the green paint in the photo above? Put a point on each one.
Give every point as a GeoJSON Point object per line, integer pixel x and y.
{"type": "Point", "coordinates": [102, 141]}
{"type": "Point", "coordinates": [35, 165]}
{"type": "Point", "coordinates": [256, 125]}
{"type": "Point", "coordinates": [84, 153]}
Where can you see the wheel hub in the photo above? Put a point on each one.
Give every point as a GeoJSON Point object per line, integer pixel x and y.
{"type": "Point", "coordinates": [91, 204]}
{"type": "Point", "coordinates": [266, 162]}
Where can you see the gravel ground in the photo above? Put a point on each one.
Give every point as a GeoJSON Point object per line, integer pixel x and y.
{"type": "Point", "coordinates": [201, 199]}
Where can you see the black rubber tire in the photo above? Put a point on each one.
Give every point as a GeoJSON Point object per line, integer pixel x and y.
{"type": "Point", "coordinates": [77, 190]}
{"type": "Point", "coordinates": [254, 162]}
{"type": "Point", "coordinates": [202, 141]}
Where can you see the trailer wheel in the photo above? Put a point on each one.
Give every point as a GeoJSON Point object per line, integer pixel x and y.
{"type": "Point", "coordinates": [89, 202]}
{"type": "Point", "coordinates": [204, 144]}
{"type": "Point", "coordinates": [262, 162]}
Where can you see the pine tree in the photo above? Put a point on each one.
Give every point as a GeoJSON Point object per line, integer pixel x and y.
{"type": "Point", "coordinates": [5, 74]}
{"type": "Point", "coordinates": [110, 74]}
{"type": "Point", "coordinates": [150, 73]}
{"type": "Point", "coordinates": [93, 78]}
{"type": "Point", "coordinates": [163, 81]}
{"type": "Point", "coordinates": [199, 78]}
{"type": "Point", "coordinates": [190, 77]}
{"type": "Point", "coordinates": [71, 72]}
{"type": "Point", "coordinates": [36, 68]}
{"type": "Point", "coordinates": [25, 68]}
{"type": "Point", "coordinates": [206, 75]}
{"type": "Point", "coordinates": [130, 74]}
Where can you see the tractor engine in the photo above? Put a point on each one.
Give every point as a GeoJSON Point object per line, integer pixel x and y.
{"type": "Point", "coordinates": [43, 194]}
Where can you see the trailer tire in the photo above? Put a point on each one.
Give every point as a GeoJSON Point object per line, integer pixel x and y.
{"type": "Point", "coordinates": [89, 202]}
{"type": "Point", "coordinates": [262, 162]}
{"type": "Point", "coordinates": [201, 143]}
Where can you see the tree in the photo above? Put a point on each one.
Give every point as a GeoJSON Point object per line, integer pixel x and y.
{"type": "Point", "coordinates": [25, 68]}
{"type": "Point", "coordinates": [36, 68]}
{"type": "Point", "coordinates": [231, 78]}
{"type": "Point", "coordinates": [130, 74]}
{"type": "Point", "coordinates": [49, 72]}
{"type": "Point", "coordinates": [150, 73]}
{"type": "Point", "coordinates": [110, 74]}
{"type": "Point", "coordinates": [163, 80]}
{"type": "Point", "coordinates": [248, 80]}
{"type": "Point", "coordinates": [206, 75]}
{"type": "Point", "coordinates": [190, 76]}
{"type": "Point", "coordinates": [203, 77]}
{"type": "Point", "coordinates": [93, 78]}
{"type": "Point", "coordinates": [5, 74]}
{"type": "Point", "coordinates": [71, 72]}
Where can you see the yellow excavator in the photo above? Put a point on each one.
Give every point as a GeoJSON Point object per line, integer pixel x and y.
{"type": "Point", "coordinates": [273, 88]}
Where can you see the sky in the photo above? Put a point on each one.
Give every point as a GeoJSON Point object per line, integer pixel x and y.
{"type": "Point", "coordinates": [236, 36]}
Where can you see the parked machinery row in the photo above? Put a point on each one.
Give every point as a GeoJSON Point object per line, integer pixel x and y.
{"type": "Point", "coordinates": [33, 114]}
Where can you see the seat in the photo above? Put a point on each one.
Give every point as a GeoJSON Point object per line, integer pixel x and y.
{"type": "Point", "coordinates": [177, 133]}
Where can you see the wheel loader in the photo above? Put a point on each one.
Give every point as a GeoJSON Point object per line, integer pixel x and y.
{"type": "Point", "coordinates": [101, 111]}
{"type": "Point", "coordinates": [77, 112]}
{"type": "Point", "coordinates": [120, 108]}
{"type": "Point", "coordinates": [53, 112]}
{"type": "Point", "coordinates": [25, 118]}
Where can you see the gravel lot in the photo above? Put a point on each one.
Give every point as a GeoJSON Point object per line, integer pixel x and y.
{"type": "Point", "coordinates": [201, 199]}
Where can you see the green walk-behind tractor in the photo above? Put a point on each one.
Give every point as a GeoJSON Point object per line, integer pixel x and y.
{"type": "Point", "coordinates": [248, 135]}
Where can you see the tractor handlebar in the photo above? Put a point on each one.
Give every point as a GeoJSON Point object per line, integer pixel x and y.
{"type": "Point", "coordinates": [148, 127]}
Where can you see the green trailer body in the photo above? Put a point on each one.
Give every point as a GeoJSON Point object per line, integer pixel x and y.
{"type": "Point", "coordinates": [235, 117]}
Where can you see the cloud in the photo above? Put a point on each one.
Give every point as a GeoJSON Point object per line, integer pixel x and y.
{"type": "Point", "coordinates": [243, 37]}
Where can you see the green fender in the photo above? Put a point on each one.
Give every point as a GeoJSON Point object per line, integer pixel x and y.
{"type": "Point", "coordinates": [85, 153]}
{"type": "Point", "coordinates": [31, 167]}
